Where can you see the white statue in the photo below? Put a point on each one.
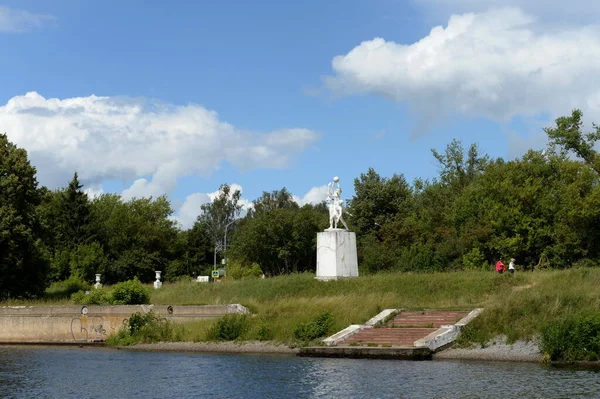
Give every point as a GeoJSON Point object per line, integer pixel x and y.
{"type": "Point", "coordinates": [335, 204]}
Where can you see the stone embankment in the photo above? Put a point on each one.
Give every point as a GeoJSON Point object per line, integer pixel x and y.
{"type": "Point", "coordinates": [94, 323]}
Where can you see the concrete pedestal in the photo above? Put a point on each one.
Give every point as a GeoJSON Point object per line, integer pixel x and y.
{"type": "Point", "coordinates": [336, 255]}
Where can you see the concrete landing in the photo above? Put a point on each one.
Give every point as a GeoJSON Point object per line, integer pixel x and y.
{"type": "Point", "coordinates": [358, 352]}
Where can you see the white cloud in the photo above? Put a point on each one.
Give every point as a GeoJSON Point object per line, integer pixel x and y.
{"type": "Point", "coordinates": [93, 192]}
{"type": "Point", "coordinates": [580, 11]}
{"type": "Point", "coordinates": [314, 196]}
{"type": "Point", "coordinates": [21, 21]}
{"type": "Point", "coordinates": [124, 139]}
{"type": "Point", "coordinates": [496, 64]}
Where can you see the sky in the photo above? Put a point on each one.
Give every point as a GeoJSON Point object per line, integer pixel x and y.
{"type": "Point", "coordinates": [148, 98]}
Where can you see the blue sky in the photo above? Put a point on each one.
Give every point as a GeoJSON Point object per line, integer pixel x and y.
{"type": "Point", "coordinates": [192, 94]}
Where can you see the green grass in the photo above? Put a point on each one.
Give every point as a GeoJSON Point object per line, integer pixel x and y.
{"type": "Point", "coordinates": [523, 313]}
{"type": "Point", "coordinates": [280, 304]}
{"type": "Point", "coordinates": [518, 305]}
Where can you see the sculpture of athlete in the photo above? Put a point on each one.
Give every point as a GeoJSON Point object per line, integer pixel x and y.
{"type": "Point", "coordinates": [335, 204]}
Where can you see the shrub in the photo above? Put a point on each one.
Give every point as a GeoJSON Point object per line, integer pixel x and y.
{"type": "Point", "coordinates": [315, 329]}
{"type": "Point", "coordinates": [576, 337]}
{"type": "Point", "coordinates": [131, 292]}
{"type": "Point", "coordinates": [229, 327]}
{"type": "Point", "coordinates": [64, 289]}
{"type": "Point", "coordinates": [238, 270]}
{"type": "Point", "coordinates": [474, 260]}
{"type": "Point", "coordinates": [264, 333]}
{"type": "Point", "coordinates": [145, 328]}
{"type": "Point", "coordinates": [95, 297]}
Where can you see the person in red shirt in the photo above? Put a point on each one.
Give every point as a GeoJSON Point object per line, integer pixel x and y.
{"type": "Point", "coordinates": [500, 268]}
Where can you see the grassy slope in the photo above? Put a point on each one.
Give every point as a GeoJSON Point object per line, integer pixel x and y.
{"type": "Point", "coordinates": [516, 305]}
{"type": "Point", "coordinates": [280, 304]}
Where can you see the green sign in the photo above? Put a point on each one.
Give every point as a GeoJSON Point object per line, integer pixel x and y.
{"type": "Point", "coordinates": [215, 274]}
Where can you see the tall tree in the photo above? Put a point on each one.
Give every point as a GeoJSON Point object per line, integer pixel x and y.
{"type": "Point", "coordinates": [23, 267]}
{"type": "Point", "coordinates": [137, 236]}
{"type": "Point", "coordinates": [276, 199]}
{"type": "Point", "coordinates": [377, 199]}
{"type": "Point", "coordinates": [281, 240]}
{"type": "Point", "coordinates": [459, 168]}
{"type": "Point", "coordinates": [218, 216]}
{"type": "Point", "coordinates": [74, 224]}
{"type": "Point", "coordinates": [567, 135]}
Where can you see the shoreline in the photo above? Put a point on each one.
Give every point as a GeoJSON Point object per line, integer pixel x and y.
{"type": "Point", "coordinates": [250, 347]}
{"type": "Point", "coordinates": [495, 350]}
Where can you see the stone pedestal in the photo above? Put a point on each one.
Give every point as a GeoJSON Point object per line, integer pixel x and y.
{"type": "Point", "coordinates": [336, 254]}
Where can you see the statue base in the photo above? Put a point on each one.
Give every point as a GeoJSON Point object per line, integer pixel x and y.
{"type": "Point", "coordinates": [336, 255]}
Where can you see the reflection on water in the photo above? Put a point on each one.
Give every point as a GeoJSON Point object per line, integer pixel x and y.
{"type": "Point", "coordinates": [27, 372]}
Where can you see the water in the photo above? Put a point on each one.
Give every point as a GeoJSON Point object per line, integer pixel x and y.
{"type": "Point", "coordinates": [34, 372]}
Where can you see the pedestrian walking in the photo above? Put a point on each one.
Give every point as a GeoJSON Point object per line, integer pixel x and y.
{"type": "Point", "coordinates": [500, 268]}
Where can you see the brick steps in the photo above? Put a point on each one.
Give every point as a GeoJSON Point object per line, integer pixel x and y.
{"type": "Point", "coordinates": [404, 329]}
{"type": "Point", "coordinates": [429, 319]}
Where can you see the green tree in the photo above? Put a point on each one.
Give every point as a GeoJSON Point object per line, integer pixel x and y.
{"type": "Point", "coordinates": [23, 266]}
{"type": "Point", "coordinates": [74, 224]}
{"type": "Point", "coordinates": [217, 217]}
{"type": "Point", "coordinates": [377, 199]}
{"type": "Point", "coordinates": [567, 136]}
{"type": "Point", "coordinates": [276, 199]}
{"type": "Point", "coordinates": [280, 240]}
{"type": "Point", "coordinates": [137, 236]}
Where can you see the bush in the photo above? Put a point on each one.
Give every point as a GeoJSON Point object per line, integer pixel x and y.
{"type": "Point", "coordinates": [264, 333]}
{"type": "Point", "coordinates": [474, 260]}
{"type": "Point", "coordinates": [229, 327]}
{"type": "Point", "coordinates": [131, 292]}
{"type": "Point", "coordinates": [238, 271]}
{"type": "Point", "coordinates": [99, 296]}
{"type": "Point", "coordinates": [576, 337]}
{"type": "Point", "coordinates": [145, 329]}
{"type": "Point", "coordinates": [65, 289]}
{"type": "Point", "coordinates": [316, 329]}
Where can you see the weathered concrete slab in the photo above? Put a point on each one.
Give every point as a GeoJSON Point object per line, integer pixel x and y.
{"type": "Point", "coordinates": [361, 352]}
{"type": "Point", "coordinates": [380, 318]}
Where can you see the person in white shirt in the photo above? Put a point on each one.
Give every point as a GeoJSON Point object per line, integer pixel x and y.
{"type": "Point", "coordinates": [511, 265]}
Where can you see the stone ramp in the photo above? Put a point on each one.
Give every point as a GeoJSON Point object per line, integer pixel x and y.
{"type": "Point", "coordinates": [395, 334]}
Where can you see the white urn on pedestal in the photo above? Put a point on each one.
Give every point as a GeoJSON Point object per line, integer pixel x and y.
{"type": "Point", "coordinates": [98, 284]}
{"type": "Point", "coordinates": [336, 248]}
{"type": "Point", "coordinates": [157, 283]}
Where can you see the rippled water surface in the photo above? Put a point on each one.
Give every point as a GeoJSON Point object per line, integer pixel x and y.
{"type": "Point", "coordinates": [32, 372]}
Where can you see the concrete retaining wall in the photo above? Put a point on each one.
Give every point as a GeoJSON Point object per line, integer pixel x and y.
{"type": "Point", "coordinates": [77, 323]}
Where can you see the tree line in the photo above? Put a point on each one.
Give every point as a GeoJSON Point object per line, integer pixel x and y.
{"type": "Point", "coordinates": [542, 208]}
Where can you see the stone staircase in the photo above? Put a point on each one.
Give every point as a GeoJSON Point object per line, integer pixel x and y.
{"type": "Point", "coordinates": [403, 330]}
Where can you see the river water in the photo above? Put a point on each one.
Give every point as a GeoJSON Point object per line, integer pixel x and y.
{"type": "Point", "coordinates": [51, 372]}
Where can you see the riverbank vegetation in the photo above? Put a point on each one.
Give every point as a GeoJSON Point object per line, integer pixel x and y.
{"type": "Point", "coordinates": [519, 306]}
{"type": "Point", "coordinates": [541, 208]}
{"type": "Point", "coordinates": [559, 309]}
